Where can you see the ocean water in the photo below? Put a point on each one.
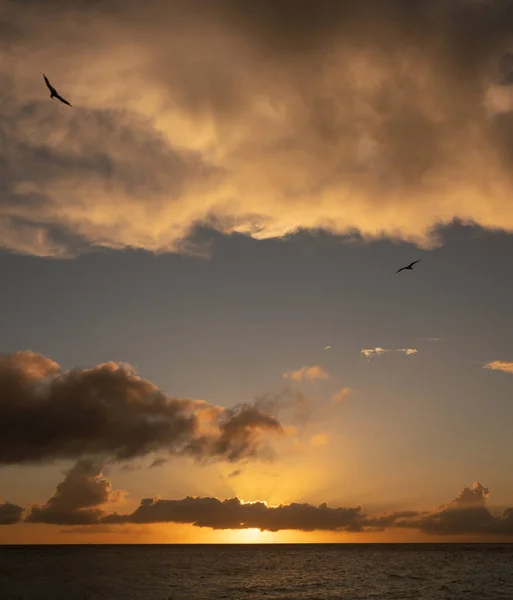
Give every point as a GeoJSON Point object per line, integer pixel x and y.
{"type": "Point", "coordinates": [295, 572]}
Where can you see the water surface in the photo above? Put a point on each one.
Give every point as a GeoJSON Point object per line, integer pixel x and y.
{"type": "Point", "coordinates": [274, 571]}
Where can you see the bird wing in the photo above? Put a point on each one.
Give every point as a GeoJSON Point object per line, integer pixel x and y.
{"type": "Point", "coordinates": [401, 269]}
{"type": "Point", "coordinates": [62, 99]}
{"type": "Point", "coordinates": [414, 262]}
{"type": "Point", "coordinates": [49, 85]}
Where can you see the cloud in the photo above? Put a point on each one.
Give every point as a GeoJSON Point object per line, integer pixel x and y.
{"type": "Point", "coordinates": [297, 406]}
{"type": "Point", "coordinates": [327, 347]}
{"type": "Point", "coordinates": [235, 473]}
{"type": "Point", "coordinates": [10, 514]}
{"type": "Point", "coordinates": [341, 395]}
{"type": "Point", "coordinates": [374, 352]}
{"type": "Point", "coordinates": [109, 412]}
{"type": "Point", "coordinates": [432, 339]}
{"type": "Point", "coordinates": [307, 373]}
{"type": "Point", "coordinates": [78, 498]}
{"type": "Point", "coordinates": [385, 118]}
{"type": "Point", "coordinates": [160, 461]}
{"type": "Point", "coordinates": [82, 498]}
{"type": "Point", "coordinates": [499, 365]}
{"type": "Point", "coordinates": [467, 514]}
{"type": "Point", "coordinates": [235, 514]}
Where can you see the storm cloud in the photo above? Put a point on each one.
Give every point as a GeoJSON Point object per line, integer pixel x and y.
{"type": "Point", "coordinates": [388, 119]}
{"type": "Point", "coordinates": [108, 411]}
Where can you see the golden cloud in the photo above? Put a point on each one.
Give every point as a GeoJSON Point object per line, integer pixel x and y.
{"type": "Point", "coordinates": [500, 365]}
{"type": "Point", "coordinates": [307, 373]}
{"type": "Point", "coordinates": [197, 114]}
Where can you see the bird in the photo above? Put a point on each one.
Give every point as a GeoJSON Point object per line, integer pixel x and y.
{"type": "Point", "coordinates": [54, 93]}
{"type": "Point", "coordinates": [410, 266]}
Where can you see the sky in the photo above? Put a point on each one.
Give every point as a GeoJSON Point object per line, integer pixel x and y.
{"type": "Point", "coordinates": [203, 335]}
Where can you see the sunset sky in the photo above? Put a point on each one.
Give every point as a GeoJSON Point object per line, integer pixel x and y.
{"type": "Point", "coordinates": [203, 337]}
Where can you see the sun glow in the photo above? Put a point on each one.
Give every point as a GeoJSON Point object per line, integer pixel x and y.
{"type": "Point", "coordinates": [252, 535]}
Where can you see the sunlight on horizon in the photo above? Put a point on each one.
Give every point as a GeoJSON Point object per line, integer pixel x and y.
{"type": "Point", "coordinates": [251, 536]}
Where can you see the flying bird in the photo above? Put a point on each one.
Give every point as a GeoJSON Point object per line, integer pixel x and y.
{"type": "Point", "coordinates": [53, 92]}
{"type": "Point", "coordinates": [410, 266]}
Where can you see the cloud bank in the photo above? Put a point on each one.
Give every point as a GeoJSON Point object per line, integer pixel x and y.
{"type": "Point", "coordinates": [110, 412]}
{"type": "Point", "coordinates": [234, 514]}
{"type": "Point", "coordinates": [385, 119]}
{"type": "Point", "coordinates": [84, 495]}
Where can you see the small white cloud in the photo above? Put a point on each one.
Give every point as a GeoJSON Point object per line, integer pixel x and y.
{"type": "Point", "coordinates": [373, 352]}
{"type": "Point", "coordinates": [306, 373]}
{"type": "Point", "coordinates": [500, 365]}
{"type": "Point", "coordinates": [431, 339]}
{"type": "Point", "coordinates": [327, 347]}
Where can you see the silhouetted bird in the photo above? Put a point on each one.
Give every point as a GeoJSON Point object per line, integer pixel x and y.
{"type": "Point", "coordinates": [410, 266]}
{"type": "Point", "coordinates": [53, 92]}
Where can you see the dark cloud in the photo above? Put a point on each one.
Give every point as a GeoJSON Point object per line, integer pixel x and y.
{"type": "Point", "coordinates": [77, 498]}
{"type": "Point", "coordinates": [404, 518]}
{"type": "Point", "coordinates": [236, 436]}
{"type": "Point", "coordinates": [10, 514]}
{"type": "Point", "coordinates": [465, 515]}
{"type": "Point", "coordinates": [305, 26]}
{"type": "Point", "coordinates": [472, 497]}
{"type": "Point", "coordinates": [468, 514]}
{"type": "Point", "coordinates": [234, 514]}
{"type": "Point", "coordinates": [108, 411]}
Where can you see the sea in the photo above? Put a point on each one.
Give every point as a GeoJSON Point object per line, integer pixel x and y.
{"type": "Point", "coordinates": [272, 571]}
